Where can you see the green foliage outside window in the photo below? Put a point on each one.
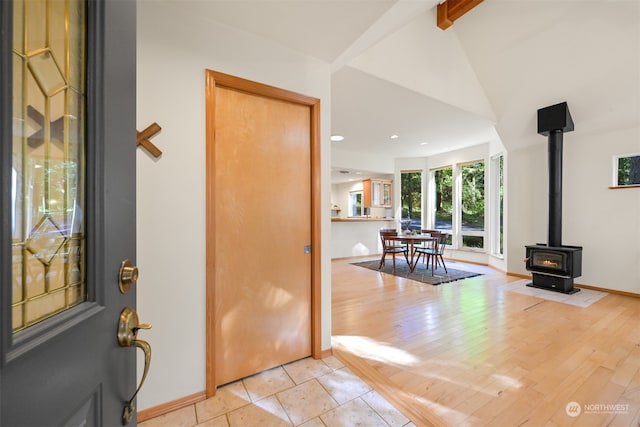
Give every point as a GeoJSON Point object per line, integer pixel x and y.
{"type": "Point", "coordinates": [476, 242]}
{"type": "Point", "coordinates": [473, 196]}
{"type": "Point", "coordinates": [444, 198]}
{"type": "Point", "coordinates": [411, 195]}
{"type": "Point", "coordinates": [629, 170]}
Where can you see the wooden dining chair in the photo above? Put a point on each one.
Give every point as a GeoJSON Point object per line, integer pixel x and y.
{"type": "Point", "coordinates": [433, 252]}
{"type": "Point", "coordinates": [429, 232]}
{"type": "Point", "coordinates": [423, 231]}
{"type": "Point", "coordinates": [392, 247]}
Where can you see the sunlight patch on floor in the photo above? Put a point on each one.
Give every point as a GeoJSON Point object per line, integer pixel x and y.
{"type": "Point", "coordinates": [508, 381]}
{"type": "Point", "coordinates": [370, 349]}
{"type": "Point", "coordinates": [367, 348]}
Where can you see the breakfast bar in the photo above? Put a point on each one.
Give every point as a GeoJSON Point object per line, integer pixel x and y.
{"type": "Point", "coordinates": [357, 236]}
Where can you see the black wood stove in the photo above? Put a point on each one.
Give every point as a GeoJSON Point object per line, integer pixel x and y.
{"type": "Point", "coordinates": [554, 265]}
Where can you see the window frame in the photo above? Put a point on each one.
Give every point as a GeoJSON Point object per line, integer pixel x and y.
{"type": "Point", "coordinates": [421, 192]}
{"type": "Point", "coordinates": [615, 170]}
{"type": "Point", "coordinates": [351, 206]}
{"type": "Point", "coordinates": [432, 199]}
{"type": "Point", "coordinates": [456, 231]}
{"type": "Point", "coordinates": [458, 212]}
{"type": "Point", "coordinates": [496, 207]}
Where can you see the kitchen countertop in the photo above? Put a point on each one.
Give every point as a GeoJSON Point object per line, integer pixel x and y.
{"type": "Point", "coordinates": [360, 219]}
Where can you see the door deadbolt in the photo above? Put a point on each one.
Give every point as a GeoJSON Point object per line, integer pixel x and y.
{"type": "Point", "coordinates": [128, 276]}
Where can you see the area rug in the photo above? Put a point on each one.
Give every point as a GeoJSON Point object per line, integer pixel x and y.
{"type": "Point", "coordinates": [421, 273]}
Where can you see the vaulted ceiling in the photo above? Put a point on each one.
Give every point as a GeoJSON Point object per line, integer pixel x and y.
{"type": "Point", "coordinates": [396, 73]}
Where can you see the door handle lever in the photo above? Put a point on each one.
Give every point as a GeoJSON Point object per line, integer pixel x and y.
{"type": "Point", "coordinates": [128, 327]}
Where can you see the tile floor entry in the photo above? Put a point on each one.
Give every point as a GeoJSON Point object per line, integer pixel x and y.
{"type": "Point", "coordinates": [308, 392]}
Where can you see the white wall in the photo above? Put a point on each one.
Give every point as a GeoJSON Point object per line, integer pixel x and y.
{"type": "Point", "coordinates": [605, 222]}
{"type": "Point", "coordinates": [174, 49]}
{"type": "Point", "coordinates": [357, 160]}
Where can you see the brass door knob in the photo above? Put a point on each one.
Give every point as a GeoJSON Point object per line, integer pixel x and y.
{"type": "Point", "coordinates": [128, 276]}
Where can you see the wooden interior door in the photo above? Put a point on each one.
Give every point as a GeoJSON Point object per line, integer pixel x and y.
{"type": "Point", "coordinates": [261, 231]}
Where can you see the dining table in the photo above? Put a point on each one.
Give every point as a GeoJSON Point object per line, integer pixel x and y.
{"type": "Point", "coordinates": [411, 240]}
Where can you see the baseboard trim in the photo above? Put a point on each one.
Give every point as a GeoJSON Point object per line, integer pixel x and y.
{"type": "Point", "coordinates": [165, 408]}
{"type": "Point", "coordinates": [522, 276]}
{"type": "Point", "coordinates": [354, 257]}
{"type": "Point", "coordinates": [326, 353]}
{"type": "Point", "coordinates": [580, 285]}
{"type": "Point", "coordinates": [611, 291]}
{"type": "Point", "coordinates": [484, 264]}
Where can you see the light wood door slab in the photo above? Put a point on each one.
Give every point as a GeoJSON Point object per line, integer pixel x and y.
{"type": "Point", "coordinates": [262, 309]}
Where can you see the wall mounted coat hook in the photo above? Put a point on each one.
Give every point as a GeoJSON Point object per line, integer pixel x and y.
{"type": "Point", "coordinates": [143, 139]}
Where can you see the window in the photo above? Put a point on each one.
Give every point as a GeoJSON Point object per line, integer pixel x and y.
{"type": "Point", "coordinates": [497, 204]}
{"type": "Point", "coordinates": [627, 170]}
{"type": "Point", "coordinates": [458, 204]}
{"type": "Point", "coordinates": [472, 205]}
{"type": "Point", "coordinates": [355, 203]}
{"type": "Point", "coordinates": [443, 195]}
{"type": "Point", "coordinates": [411, 199]}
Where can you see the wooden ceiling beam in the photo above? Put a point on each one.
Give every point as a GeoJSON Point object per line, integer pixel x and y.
{"type": "Point", "coordinates": [450, 10]}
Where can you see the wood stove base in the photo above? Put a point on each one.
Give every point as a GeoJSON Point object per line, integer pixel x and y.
{"type": "Point", "coordinates": [552, 283]}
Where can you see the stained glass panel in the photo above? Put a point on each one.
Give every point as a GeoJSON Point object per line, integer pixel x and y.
{"type": "Point", "coordinates": [49, 75]}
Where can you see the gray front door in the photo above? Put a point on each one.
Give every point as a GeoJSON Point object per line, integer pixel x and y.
{"type": "Point", "coordinates": [67, 210]}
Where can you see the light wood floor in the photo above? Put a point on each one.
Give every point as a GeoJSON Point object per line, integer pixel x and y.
{"type": "Point", "coordinates": [471, 353]}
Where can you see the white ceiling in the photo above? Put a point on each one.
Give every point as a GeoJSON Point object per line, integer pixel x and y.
{"type": "Point", "coordinates": [323, 29]}
{"type": "Point", "coordinates": [369, 110]}
{"type": "Point", "coordinates": [526, 54]}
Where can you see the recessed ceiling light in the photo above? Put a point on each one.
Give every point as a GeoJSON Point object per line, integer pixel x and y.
{"type": "Point", "coordinates": [337, 138]}
{"type": "Point", "coordinates": [424, 143]}
{"type": "Point", "coordinates": [394, 136]}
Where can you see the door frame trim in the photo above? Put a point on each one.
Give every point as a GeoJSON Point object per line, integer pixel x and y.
{"type": "Point", "coordinates": [212, 80]}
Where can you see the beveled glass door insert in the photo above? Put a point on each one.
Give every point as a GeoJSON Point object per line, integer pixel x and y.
{"type": "Point", "coordinates": [48, 162]}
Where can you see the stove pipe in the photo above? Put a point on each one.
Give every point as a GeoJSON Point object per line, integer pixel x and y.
{"type": "Point", "coordinates": [553, 121]}
{"type": "Point", "coordinates": [555, 188]}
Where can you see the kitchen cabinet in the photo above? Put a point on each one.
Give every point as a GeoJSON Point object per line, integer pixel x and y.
{"type": "Point", "coordinates": [377, 193]}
